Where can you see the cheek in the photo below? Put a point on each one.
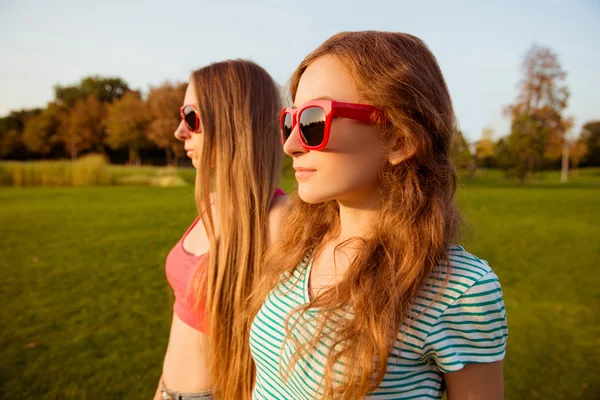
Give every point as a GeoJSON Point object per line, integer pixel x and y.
{"type": "Point", "coordinates": [351, 170]}
{"type": "Point", "coordinates": [197, 143]}
{"type": "Point", "coordinates": [339, 176]}
{"type": "Point", "coordinates": [355, 151]}
{"type": "Point", "coordinates": [351, 162]}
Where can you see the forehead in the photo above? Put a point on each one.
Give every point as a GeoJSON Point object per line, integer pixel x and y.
{"type": "Point", "coordinates": [326, 77]}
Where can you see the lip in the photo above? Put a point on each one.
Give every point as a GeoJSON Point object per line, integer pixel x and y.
{"type": "Point", "coordinates": [189, 152]}
{"type": "Point", "coordinates": [304, 173]}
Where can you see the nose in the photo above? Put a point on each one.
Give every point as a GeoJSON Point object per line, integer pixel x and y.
{"type": "Point", "coordinates": [293, 146]}
{"type": "Point", "coordinates": [182, 133]}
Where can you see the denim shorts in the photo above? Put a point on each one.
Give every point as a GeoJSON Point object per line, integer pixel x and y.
{"type": "Point", "coordinates": [168, 394]}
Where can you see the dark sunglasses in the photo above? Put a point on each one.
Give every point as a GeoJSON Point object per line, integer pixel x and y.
{"type": "Point", "coordinates": [314, 119]}
{"type": "Point", "coordinates": [190, 117]}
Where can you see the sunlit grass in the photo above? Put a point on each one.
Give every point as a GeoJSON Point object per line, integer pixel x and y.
{"type": "Point", "coordinates": [86, 306]}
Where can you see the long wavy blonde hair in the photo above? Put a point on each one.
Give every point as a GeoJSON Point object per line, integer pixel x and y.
{"type": "Point", "coordinates": [418, 219]}
{"type": "Point", "coordinates": [241, 166]}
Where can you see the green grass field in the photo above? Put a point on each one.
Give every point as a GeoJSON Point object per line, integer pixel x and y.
{"type": "Point", "coordinates": [86, 306]}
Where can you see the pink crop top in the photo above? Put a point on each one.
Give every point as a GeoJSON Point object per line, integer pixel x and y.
{"type": "Point", "coordinates": [180, 268]}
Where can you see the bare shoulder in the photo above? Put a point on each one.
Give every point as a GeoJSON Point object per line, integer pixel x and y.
{"type": "Point", "coordinates": [275, 219]}
{"type": "Point", "coordinates": [277, 207]}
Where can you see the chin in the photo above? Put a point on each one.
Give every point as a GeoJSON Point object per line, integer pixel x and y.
{"type": "Point", "coordinates": [313, 196]}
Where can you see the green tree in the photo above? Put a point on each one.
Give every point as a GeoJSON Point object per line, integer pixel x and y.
{"type": "Point", "coordinates": [484, 149]}
{"type": "Point", "coordinates": [41, 131]}
{"type": "Point", "coordinates": [104, 89]}
{"type": "Point", "coordinates": [11, 144]}
{"type": "Point", "coordinates": [577, 152]}
{"type": "Point", "coordinates": [538, 127]}
{"type": "Point", "coordinates": [504, 157]}
{"type": "Point", "coordinates": [11, 133]}
{"type": "Point", "coordinates": [590, 135]}
{"type": "Point", "coordinates": [163, 104]}
{"type": "Point", "coordinates": [83, 128]}
{"type": "Point", "coordinates": [461, 156]}
{"type": "Point", "coordinates": [126, 124]}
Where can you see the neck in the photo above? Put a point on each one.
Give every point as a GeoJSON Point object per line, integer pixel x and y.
{"type": "Point", "coordinates": [358, 218]}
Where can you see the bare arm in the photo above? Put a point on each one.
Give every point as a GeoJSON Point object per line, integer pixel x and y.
{"type": "Point", "coordinates": [476, 382]}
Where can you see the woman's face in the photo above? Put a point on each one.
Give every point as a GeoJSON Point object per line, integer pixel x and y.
{"type": "Point", "coordinates": [192, 141]}
{"type": "Point", "coordinates": [347, 169]}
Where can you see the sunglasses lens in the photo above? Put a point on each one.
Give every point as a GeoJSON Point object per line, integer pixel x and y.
{"type": "Point", "coordinates": [286, 126]}
{"type": "Point", "coordinates": [189, 115]}
{"type": "Point", "coordinates": [312, 125]}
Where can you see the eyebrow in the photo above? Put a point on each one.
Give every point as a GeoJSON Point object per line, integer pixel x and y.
{"type": "Point", "coordinates": [317, 98]}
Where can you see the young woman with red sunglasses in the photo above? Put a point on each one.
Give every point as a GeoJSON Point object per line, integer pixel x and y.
{"type": "Point", "coordinates": [366, 294]}
{"type": "Point", "coordinates": [228, 131]}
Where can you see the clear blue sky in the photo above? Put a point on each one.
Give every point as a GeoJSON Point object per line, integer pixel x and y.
{"type": "Point", "coordinates": [479, 46]}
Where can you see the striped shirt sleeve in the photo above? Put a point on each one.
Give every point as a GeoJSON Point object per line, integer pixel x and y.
{"type": "Point", "coordinates": [472, 329]}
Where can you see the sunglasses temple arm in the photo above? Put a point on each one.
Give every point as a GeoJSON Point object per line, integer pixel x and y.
{"type": "Point", "coordinates": [359, 114]}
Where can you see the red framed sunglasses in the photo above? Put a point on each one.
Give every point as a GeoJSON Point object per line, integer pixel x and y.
{"type": "Point", "coordinates": [189, 115]}
{"type": "Point", "coordinates": [315, 119]}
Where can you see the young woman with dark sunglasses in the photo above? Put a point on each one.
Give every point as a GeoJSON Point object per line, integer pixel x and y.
{"type": "Point", "coordinates": [228, 130]}
{"type": "Point", "coordinates": [367, 294]}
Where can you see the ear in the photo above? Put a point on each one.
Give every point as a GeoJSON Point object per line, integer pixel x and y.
{"type": "Point", "coordinates": [400, 151]}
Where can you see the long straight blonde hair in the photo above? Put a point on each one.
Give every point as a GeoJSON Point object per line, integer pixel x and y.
{"type": "Point", "coordinates": [240, 164]}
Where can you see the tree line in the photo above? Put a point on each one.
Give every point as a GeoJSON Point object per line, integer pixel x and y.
{"type": "Point", "coordinates": [99, 115]}
{"type": "Point", "coordinates": [104, 115]}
